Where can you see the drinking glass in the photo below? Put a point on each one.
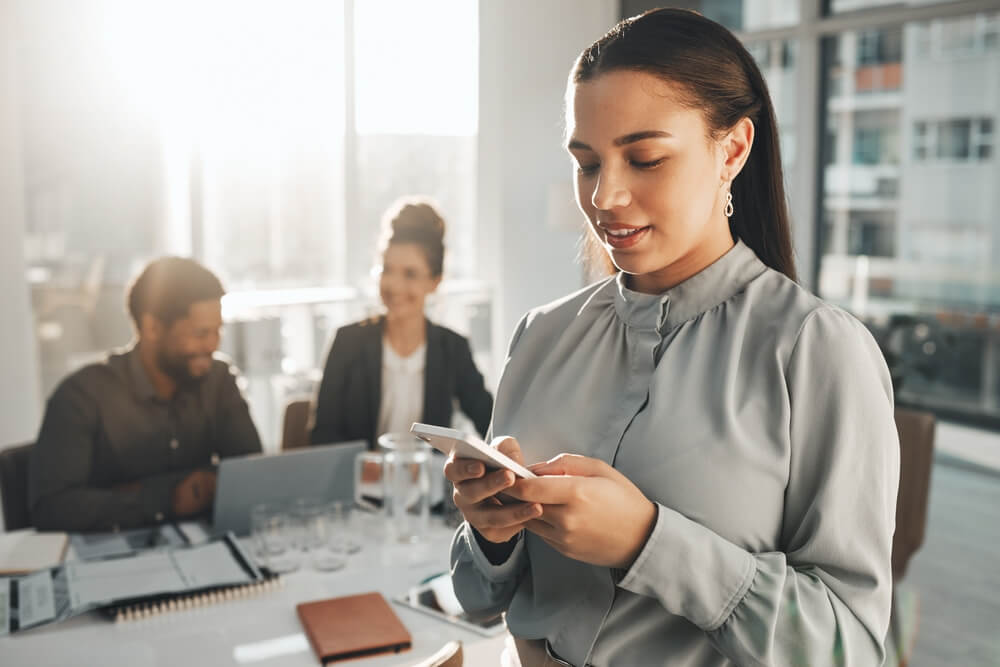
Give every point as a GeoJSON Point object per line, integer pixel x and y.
{"type": "Point", "coordinates": [273, 538]}
{"type": "Point", "coordinates": [345, 533]}
{"type": "Point", "coordinates": [316, 531]}
{"type": "Point", "coordinates": [309, 523]}
{"type": "Point", "coordinates": [406, 485]}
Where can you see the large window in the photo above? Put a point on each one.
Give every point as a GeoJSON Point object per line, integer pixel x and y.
{"type": "Point", "coordinates": [264, 139]}
{"type": "Point", "coordinates": [734, 14]}
{"type": "Point", "coordinates": [894, 191]}
{"type": "Point", "coordinates": [416, 110]}
{"type": "Point", "coordinates": [910, 241]}
{"type": "Point", "coordinates": [264, 149]}
{"type": "Point", "coordinates": [777, 61]}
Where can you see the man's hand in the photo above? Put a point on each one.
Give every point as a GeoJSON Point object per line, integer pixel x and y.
{"type": "Point", "coordinates": [590, 511]}
{"type": "Point", "coordinates": [128, 487]}
{"type": "Point", "coordinates": [194, 494]}
{"type": "Point", "coordinates": [475, 491]}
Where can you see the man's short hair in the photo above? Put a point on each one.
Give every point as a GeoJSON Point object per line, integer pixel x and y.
{"type": "Point", "coordinates": [167, 288]}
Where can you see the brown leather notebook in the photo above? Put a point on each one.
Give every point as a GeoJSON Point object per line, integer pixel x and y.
{"type": "Point", "coordinates": [352, 627]}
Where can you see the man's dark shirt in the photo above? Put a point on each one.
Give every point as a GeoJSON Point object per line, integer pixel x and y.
{"type": "Point", "coordinates": [105, 426]}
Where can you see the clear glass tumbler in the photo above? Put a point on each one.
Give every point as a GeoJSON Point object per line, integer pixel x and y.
{"type": "Point", "coordinates": [309, 522]}
{"type": "Point", "coordinates": [315, 531]}
{"type": "Point", "coordinates": [345, 535]}
{"type": "Point", "coordinates": [406, 485]}
{"type": "Point", "coordinates": [273, 538]}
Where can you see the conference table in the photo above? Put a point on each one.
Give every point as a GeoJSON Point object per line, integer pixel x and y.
{"type": "Point", "coordinates": [262, 630]}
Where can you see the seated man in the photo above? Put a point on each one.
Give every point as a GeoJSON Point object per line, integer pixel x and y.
{"type": "Point", "coordinates": [132, 441]}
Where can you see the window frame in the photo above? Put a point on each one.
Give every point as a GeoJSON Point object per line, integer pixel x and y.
{"type": "Point", "coordinates": [816, 23]}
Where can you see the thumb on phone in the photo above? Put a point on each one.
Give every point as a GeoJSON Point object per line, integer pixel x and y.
{"type": "Point", "coordinates": [507, 444]}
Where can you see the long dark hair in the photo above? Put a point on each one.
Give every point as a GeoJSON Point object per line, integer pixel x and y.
{"type": "Point", "coordinates": [721, 79]}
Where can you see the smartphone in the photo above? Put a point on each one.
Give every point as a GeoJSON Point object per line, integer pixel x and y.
{"type": "Point", "coordinates": [437, 598]}
{"type": "Point", "coordinates": [448, 440]}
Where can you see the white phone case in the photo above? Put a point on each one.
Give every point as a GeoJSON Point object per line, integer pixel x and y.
{"type": "Point", "coordinates": [448, 440]}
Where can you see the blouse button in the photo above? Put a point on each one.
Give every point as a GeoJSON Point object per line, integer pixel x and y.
{"type": "Point", "coordinates": [174, 444]}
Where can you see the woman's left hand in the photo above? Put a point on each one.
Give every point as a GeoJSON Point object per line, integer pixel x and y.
{"type": "Point", "coordinates": [590, 511]}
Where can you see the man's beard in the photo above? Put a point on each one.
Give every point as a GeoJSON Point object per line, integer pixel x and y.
{"type": "Point", "coordinates": [176, 367]}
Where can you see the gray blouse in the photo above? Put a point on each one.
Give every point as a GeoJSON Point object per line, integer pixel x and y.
{"type": "Point", "coordinates": [760, 421]}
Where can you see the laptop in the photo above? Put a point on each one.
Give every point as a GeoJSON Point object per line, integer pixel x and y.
{"type": "Point", "coordinates": [324, 471]}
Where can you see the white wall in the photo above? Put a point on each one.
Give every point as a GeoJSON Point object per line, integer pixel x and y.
{"type": "Point", "coordinates": [19, 397]}
{"type": "Point", "coordinates": [526, 50]}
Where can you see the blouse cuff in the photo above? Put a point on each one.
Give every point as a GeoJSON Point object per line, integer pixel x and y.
{"type": "Point", "coordinates": [494, 573]}
{"type": "Point", "coordinates": [691, 570]}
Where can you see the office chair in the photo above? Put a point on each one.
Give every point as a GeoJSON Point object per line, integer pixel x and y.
{"type": "Point", "coordinates": [916, 454]}
{"type": "Point", "coordinates": [449, 655]}
{"type": "Point", "coordinates": [295, 426]}
{"type": "Point", "coordinates": [14, 486]}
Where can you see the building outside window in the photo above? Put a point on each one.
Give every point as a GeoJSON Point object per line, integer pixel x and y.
{"type": "Point", "coordinates": [894, 193]}
{"type": "Point", "coordinates": [959, 139]}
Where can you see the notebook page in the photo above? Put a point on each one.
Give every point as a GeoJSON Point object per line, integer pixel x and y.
{"type": "Point", "coordinates": [37, 599]}
{"type": "Point", "coordinates": [101, 582]}
{"type": "Point", "coordinates": [210, 564]}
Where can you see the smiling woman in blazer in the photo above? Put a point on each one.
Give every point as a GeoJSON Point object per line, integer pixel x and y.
{"type": "Point", "coordinates": [384, 373]}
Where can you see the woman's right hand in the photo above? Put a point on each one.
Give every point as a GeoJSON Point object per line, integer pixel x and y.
{"type": "Point", "coordinates": [475, 495]}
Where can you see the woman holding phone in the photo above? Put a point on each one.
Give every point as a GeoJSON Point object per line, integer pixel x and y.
{"type": "Point", "coordinates": [718, 457]}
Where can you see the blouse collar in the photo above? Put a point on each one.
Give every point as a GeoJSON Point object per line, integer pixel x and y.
{"type": "Point", "coordinates": [715, 284]}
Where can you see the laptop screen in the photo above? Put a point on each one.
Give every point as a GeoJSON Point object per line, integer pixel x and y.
{"type": "Point", "coordinates": [324, 472]}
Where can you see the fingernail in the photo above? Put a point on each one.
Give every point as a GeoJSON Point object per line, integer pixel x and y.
{"type": "Point", "coordinates": [472, 468]}
{"type": "Point", "coordinates": [530, 510]}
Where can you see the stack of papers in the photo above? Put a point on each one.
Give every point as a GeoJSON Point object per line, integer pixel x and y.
{"type": "Point", "coordinates": [27, 550]}
{"type": "Point", "coordinates": [151, 577]}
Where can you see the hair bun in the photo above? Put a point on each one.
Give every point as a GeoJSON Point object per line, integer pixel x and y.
{"type": "Point", "coordinates": [416, 217]}
{"type": "Point", "coordinates": [416, 220]}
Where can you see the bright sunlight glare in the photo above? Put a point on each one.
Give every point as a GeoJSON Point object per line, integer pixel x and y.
{"type": "Point", "coordinates": [413, 70]}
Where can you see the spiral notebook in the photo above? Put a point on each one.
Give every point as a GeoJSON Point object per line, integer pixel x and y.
{"type": "Point", "coordinates": [133, 587]}
{"type": "Point", "coordinates": [173, 602]}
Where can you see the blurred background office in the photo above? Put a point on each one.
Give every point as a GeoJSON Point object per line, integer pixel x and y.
{"type": "Point", "coordinates": [264, 139]}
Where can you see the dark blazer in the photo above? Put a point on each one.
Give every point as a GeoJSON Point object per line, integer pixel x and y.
{"type": "Point", "coordinates": [350, 394]}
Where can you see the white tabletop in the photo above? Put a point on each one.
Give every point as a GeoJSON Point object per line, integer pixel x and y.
{"type": "Point", "coordinates": [263, 631]}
